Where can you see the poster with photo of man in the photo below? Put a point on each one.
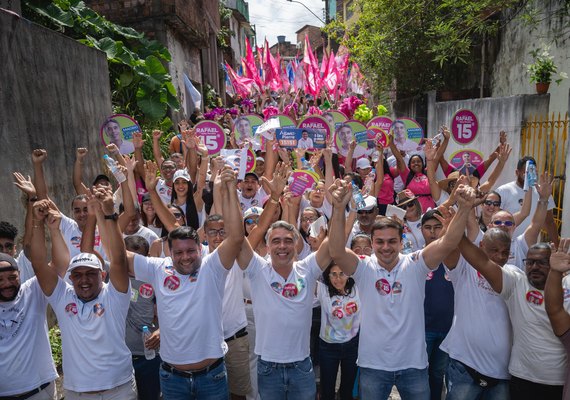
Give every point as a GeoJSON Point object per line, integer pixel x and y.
{"type": "Point", "coordinates": [309, 139]}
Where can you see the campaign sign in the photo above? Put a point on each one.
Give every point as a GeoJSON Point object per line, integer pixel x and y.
{"type": "Point", "coordinates": [316, 122]}
{"type": "Point", "coordinates": [378, 135]}
{"type": "Point", "coordinates": [357, 131]}
{"type": "Point", "coordinates": [464, 126]}
{"type": "Point", "coordinates": [245, 130]}
{"type": "Point", "coordinates": [466, 161]}
{"type": "Point", "coordinates": [384, 123]}
{"type": "Point", "coordinates": [335, 118]}
{"type": "Point", "coordinates": [408, 134]}
{"type": "Point", "coordinates": [212, 135]}
{"type": "Point", "coordinates": [309, 139]}
{"type": "Point", "coordinates": [233, 158]}
{"type": "Point", "coordinates": [119, 129]}
{"type": "Point", "coordinates": [301, 181]}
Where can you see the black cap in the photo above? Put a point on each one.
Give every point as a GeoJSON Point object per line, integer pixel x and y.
{"type": "Point", "coordinates": [252, 174]}
{"type": "Point", "coordinates": [101, 177]}
{"type": "Point", "coordinates": [145, 197]}
{"type": "Point", "coordinates": [10, 260]}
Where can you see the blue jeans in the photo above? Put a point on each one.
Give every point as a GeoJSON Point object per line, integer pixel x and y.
{"type": "Point", "coordinates": [438, 360]}
{"type": "Point", "coordinates": [331, 355]}
{"type": "Point", "coordinates": [147, 378]}
{"type": "Point", "coordinates": [212, 385]}
{"type": "Point", "coordinates": [377, 384]}
{"type": "Point", "coordinates": [461, 386]}
{"type": "Point", "coordinates": [293, 381]}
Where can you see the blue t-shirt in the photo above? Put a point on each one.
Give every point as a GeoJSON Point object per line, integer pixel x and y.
{"type": "Point", "coordinates": [438, 303]}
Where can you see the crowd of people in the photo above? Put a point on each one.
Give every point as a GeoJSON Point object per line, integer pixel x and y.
{"type": "Point", "coordinates": [378, 276]}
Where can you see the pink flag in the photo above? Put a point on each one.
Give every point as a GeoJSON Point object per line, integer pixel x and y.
{"type": "Point", "coordinates": [272, 76]}
{"type": "Point", "coordinates": [331, 77]}
{"type": "Point", "coordinates": [241, 85]}
{"type": "Point", "coordinates": [312, 84]}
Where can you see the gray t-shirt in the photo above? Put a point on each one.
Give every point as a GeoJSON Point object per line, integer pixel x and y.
{"type": "Point", "coordinates": [141, 312]}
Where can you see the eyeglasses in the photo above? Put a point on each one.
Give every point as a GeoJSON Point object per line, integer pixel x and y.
{"type": "Point", "coordinates": [362, 250]}
{"type": "Point", "coordinates": [319, 190]}
{"type": "Point", "coordinates": [432, 228]}
{"type": "Point", "coordinates": [308, 219]}
{"type": "Point", "coordinates": [168, 167]}
{"type": "Point", "coordinates": [407, 205]}
{"type": "Point", "coordinates": [365, 211]}
{"type": "Point", "coordinates": [492, 203]}
{"type": "Point", "coordinates": [503, 223]}
{"type": "Point", "coordinates": [216, 232]}
{"type": "Point", "coordinates": [541, 263]}
{"type": "Point", "coordinates": [251, 221]}
{"type": "Point", "coordinates": [337, 275]}
{"type": "Point", "coordinates": [6, 247]}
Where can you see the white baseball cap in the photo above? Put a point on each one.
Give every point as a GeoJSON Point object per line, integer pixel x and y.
{"type": "Point", "coordinates": [85, 260]}
{"type": "Point", "coordinates": [363, 163]}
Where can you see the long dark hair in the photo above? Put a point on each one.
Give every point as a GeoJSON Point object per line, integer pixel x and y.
{"type": "Point", "coordinates": [191, 211]}
{"type": "Point", "coordinates": [412, 174]}
{"type": "Point", "coordinates": [332, 290]}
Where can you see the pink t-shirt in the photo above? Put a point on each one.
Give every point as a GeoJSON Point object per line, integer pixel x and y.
{"type": "Point", "coordinates": [386, 193]}
{"type": "Point", "coordinates": [419, 185]}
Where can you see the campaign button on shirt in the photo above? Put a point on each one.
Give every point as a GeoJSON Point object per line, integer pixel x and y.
{"type": "Point", "coordinates": [429, 276]}
{"type": "Point", "coordinates": [351, 308]}
{"type": "Point", "coordinates": [171, 282]}
{"type": "Point", "coordinates": [383, 287]}
{"type": "Point", "coordinates": [337, 313]}
{"type": "Point", "coordinates": [566, 294]}
{"type": "Point", "coordinates": [290, 290]}
{"type": "Point", "coordinates": [193, 276]}
{"type": "Point", "coordinates": [276, 286]}
{"type": "Point", "coordinates": [146, 290]}
{"type": "Point", "coordinates": [71, 308]}
{"type": "Point", "coordinates": [534, 297]}
{"type": "Point", "coordinates": [397, 287]}
{"type": "Point", "coordinates": [98, 309]}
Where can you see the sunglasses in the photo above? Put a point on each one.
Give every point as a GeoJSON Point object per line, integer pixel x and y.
{"type": "Point", "coordinates": [177, 215]}
{"type": "Point", "coordinates": [407, 205]}
{"type": "Point", "coordinates": [503, 223]}
{"type": "Point", "coordinates": [251, 221]}
{"type": "Point", "coordinates": [492, 203]}
{"type": "Point", "coordinates": [365, 211]}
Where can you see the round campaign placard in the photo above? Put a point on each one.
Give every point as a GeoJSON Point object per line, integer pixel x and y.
{"type": "Point", "coordinates": [301, 181]}
{"type": "Point", "coordinates": [466, 161]}
{"type": "Point", "coordinates": [335, 118]}
{"type": "Point", "coordinates": [232, 157]}
{"type": "Point", "coordinates": [285, 121]}
{"type": "Point", "coordinates": [212, 135]}
{"type": "Point", "coordinates": [408, 134]}
{"type": "Point", "coordinates": [245, 130]}
{"type": "Point", "coordinates": [357, 131]}
{"type": "Point", "coordinates": [378, 135]}
{"type": "Point", "coordinates": [384, 123]}
{"type": "Point", "coordinates": [464, 126]}
{"type": "Point", "coordinates": [119, 129]}
{"type": "Point", "coordinates": [316, 122]}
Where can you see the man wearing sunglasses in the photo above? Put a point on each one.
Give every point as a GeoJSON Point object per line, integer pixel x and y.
{"type": "Point", "coordinates": [365, 218]}
{"type": "Point", "coordinates": [538, 362]}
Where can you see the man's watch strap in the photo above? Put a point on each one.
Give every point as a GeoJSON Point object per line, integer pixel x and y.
{"type": "Point", "coordinates": [113, 216]}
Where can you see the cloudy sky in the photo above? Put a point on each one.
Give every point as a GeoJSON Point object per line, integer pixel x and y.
{"type": "Point", "coordinates": [281, 17]}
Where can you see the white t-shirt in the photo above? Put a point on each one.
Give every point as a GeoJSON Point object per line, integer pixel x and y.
{"type": "Point", "coordinates": [146, 233]}
{"type": "Point", "coordinates": [392, 328]}
{"type": "Point", "coordinates": [480, 335]}
{"type": "Point", "coordinates": [537, 354]}
{"type": "Point", "coordinates": [517, 253]}
{"type": "Point", "coordinates": [164, 191]}
{"type": "Point", "coordinates": [95, 356]}
{"type": "Point", "coordinates": [413, 231]}
{"type": "Point", "coordinates": [189, 307]}
{"type": "Point", "coordinates": [512, 196]}
{"type": "Point", "coordinates": [25, 360]}
{"type": "Point", "coordinates": [305, 143]}
{"type": "Point", "coordinates": [340, 315]}
{"type": "Point", "coordinates": [25, 267]}
{"type": "Point", "coordinates": [233, 308]}
{"type": "Point", "coordinates": [399, 184]}
{"type": "Point", "coordinates": [324, 209]}
{"type": "Point", "coordinates": [72, 236]}
{"type": "Point", "coordinates": [282, 308]}
{"type": "Point", "coordinates": [255, 201]}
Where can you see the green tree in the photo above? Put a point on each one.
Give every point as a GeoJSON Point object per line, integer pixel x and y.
{"type": "Point", "coordinates": [140, 83]}
{"type": "Point", "coordinates": [414, 43]}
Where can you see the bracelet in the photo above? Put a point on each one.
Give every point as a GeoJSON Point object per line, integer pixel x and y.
{"type": "Point", "coordinates": [272, 200]}
{"type": "Point", "coordinates": [113, 216]}
{"type": "Point", "coordinates": [542, 201]}
{"type": "Point", "coordinates": [33, 199]}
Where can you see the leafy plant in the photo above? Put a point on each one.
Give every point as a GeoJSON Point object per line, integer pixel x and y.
{"type": "Point", "coordinates": [543, 68]}
{"type": "Point", "coordinates": [55, 343]}
{"type": "Point", "coordinates": [140, 83]}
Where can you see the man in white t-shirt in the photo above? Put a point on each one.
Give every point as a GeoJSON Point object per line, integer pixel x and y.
{"type": "Point", "coordinates": [538, 362]}
{"type": "Point", "coordinates": [72, 229]}
{"type": "Point", "coordinates": [26, 363]}
{"type": "Point", "coordinates": [282, 295]}
{"type": "Point", "coordinates": [512, 195]}
{"type": "Point", "coordinates": [164, 185]}
{"type": "Point", "coordinates": [91, 314]}
{"type": "Point", "coordinates": [305, 142]}
{"type": "Point", "coordinates": [189, 292]}
{"type": "Point", "coordinates": [392, 347]}
{"type": "Point", "coordinates": [251, 194]}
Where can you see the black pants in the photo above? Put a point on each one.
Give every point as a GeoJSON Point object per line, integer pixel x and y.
{"type": "Point", "coordinates": [521, 389]}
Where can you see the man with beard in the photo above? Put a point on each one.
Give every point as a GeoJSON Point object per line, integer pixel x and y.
{"type": "Point", "coordinates": [189, 292]}
{"type": "Point", "coordinates": [538, 361]}
{"type": "Point", "coordinates": [23, 337]}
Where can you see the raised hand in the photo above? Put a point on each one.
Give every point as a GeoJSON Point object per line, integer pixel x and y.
{"type": "Point", "coordinates": [80, 153]}
{"type": "Point", "coordinates": [25, 185]}
{"type": "Point", "coordinates": [445, 132]}
{"type": "Point", "coordinates": [130, 163]}
{"type": "Point", "coordinates": [53, 219]}
{"type": "Point", "coordinates": [465, 196]}
{"type": "Point", "coordinates": [105, 197]}
{"type": "Point", "coordinates": [544, 186]}
{"type": "Point", "coordinates": [228, 178]}
{"type": "Point", "coordinates": [560, 259]}
{"type": "Point", "coordinates": [279, 181]}
{"type": "Point", "coordinates": [41, 210]}
{"type": "Point", "coordinates": [201, 148]}
{"type": "Point", "coordinates": [341, 193]}
{"type": "Point", "coordinates": [502, 137]}
{"type": "Point", "coordinates": [93, 206]}
{"type": "Point", "coordinates": [112, 148]}
{"type": "Point", "coordinates": [446, 216]}
{"type": "Point", "coordinates": [430, 151]}
{"type": "Point", "coordinates": [504, 152]}
{"type": "Point", "coordinates": [156, 134]}
{"type": "Point", "coordinates": [352, 145]}
{"type": "Point", "coordinates": [150, 178]}
{"type": "Point", "coordinates": [39, 156]}
{"type": "Point", "coordinates": [138, 141]}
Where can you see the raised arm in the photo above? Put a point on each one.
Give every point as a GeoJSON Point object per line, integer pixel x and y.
{"type": "Point", "coordinates": [230, 247]}
{"type": "Point", "coordinates": [502, 156]}
{"type": "Point", "coordinates": [118, 273]}
{"type": "Point", "coordinates": [329, 169]}
{"type": "Point", "coordinates": [127, 195]}
{"type": "Point", "coordinates": [201, 178]}
{"type": "Point", "coordinates": [191, 142]}
{"type": "Point", "coordinates": [38, 158]}
{"type": "Point", "coordinates": [400, 163]}
{"type": "Point", "coordinates": [553, 291]}
{"type": "Point", "coordinates": [138, 142]}
{"type": "Point", "coordinates": [544, 189]}
{"type": "Point", "coordinates": [349, 156]}
{"type": "Point", "coordinates": [165, 216]}
{"type": "Point", "coordinates": [27, 187]}
{"type": "Point", "coordinates": [379, 170]}
{"type": "Point", "coordinates": [47, 277]}
{"type": "Point", "coordinates": [524, 212]}
{"type": "Point", "coordinates": [432, 163]}
{"type": "Point", "coordinates": [60, 256]}
{"type": "Point", "coordinates": [439, 249]}
{"type": "Point", "coordinates": [346, 259]}
{"type": "Point", "coordinates": [78, 184]}
{"type": "Point", "coordinates": [156, 152]}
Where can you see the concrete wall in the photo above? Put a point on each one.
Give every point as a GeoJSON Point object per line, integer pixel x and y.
{"type": "Point", "coordinates": [494, 115]}
{"type": "Point", "coordinates": [509, 76]}
{"type": "Point", "coordinates": [54, 95]}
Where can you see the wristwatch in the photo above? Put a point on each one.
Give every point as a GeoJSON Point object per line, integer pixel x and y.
{"type": "Point", "coordinates": [114, 216]}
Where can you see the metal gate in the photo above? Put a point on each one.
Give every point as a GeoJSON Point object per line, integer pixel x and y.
{"type": "Point", "coordinates": [545, 138]}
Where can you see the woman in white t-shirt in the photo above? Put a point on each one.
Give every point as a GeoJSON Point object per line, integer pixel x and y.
{"type": "Point", "coordinates": [413, 218]}
{"type": "Point", "coordinates": [340, 324]}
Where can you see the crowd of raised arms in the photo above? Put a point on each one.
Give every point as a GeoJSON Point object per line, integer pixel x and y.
{"type": "Point", "coordinates": [378, 276]}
